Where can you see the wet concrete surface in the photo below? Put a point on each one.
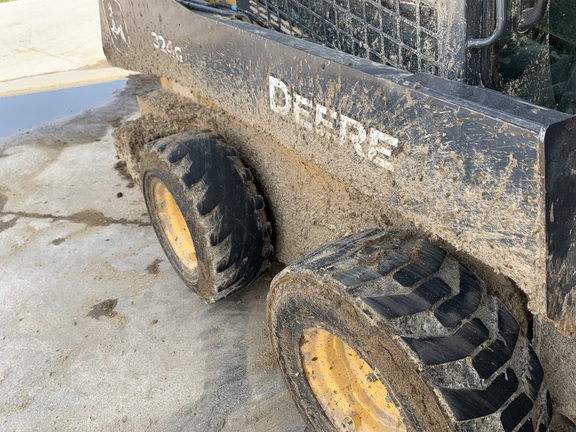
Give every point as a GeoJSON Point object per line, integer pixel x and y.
{"type": "Point", "coordinates": [97, 332]}
{"type": "Point", "coordinates": [20, 113]}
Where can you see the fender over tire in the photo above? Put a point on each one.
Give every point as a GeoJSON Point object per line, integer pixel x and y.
{"type": "Point", "coordinates": [206, 212]}
{"type": "Point", "coordinates": [448, 355]}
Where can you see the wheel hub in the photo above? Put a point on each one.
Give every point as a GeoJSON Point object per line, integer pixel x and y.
{"type": "Point", "coordinates": [347, 389]}
{"type": "Point", "coordinates": [174, 226]}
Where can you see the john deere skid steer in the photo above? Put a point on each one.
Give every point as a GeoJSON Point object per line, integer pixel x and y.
{"type": "Point", "coordinates": [413, 162]}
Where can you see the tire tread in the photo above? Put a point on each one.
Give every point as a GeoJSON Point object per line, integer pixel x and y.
{"type": "Point", "coordinates": [222, 192]}
{"type": "Point", "coordinates": [397, 280]}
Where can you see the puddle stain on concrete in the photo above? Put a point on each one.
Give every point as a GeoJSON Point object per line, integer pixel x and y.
{"type": "Point", "coordinates": [4, 225]}
{"type": "Point", "coordinates": [92, 218]}
{"type": "Point", "coordinates": [23, 112]}
{"type": "Point", "coordinates": [123, 170]}
{"type": "Point", "coordinates": [104, 308]}
{"type": "Point", "coordinates": [8, 224]}
{"type": "Point", "coordinates": [153, 268]}
{"type": "Point", "coordinates": [3, 201]}
{"type": "Point", "coordinates": [95, 218]}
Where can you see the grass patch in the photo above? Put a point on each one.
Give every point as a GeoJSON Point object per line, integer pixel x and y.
{"type": "Point", "coordinates": [5, 1]}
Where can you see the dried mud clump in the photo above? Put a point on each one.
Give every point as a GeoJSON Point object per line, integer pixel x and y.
{"type": "Point", "coordinates": [131, 137]}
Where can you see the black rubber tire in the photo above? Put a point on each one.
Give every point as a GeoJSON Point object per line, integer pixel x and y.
{"type": "Point", "coordinates": [221, 207]}
{"type": "Point", "coordinates": [451, 354]}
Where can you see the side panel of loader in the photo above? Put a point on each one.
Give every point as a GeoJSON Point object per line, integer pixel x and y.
{"type": "Point", "coordinates": [462, 163]}
{"type": "Point", "coordinates": [561, 224]}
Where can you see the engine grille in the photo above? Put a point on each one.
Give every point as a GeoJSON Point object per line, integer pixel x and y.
{"type": "Point", "coordinates": [400, 33]}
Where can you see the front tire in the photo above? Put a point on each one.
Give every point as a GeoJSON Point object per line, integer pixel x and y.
{"type": "Point", "coordinates": [378, 332]}
{"type": "Point", "coordinates": [206, 212]}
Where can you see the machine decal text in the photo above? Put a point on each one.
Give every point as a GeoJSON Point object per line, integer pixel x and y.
{"type": "Point", "coordinates": [167, 47]}
{"type": "Point", "coordinates": [369, 143]}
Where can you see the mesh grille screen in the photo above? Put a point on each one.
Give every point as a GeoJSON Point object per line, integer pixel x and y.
{"type": "Point", "coordinates": [400, 33]}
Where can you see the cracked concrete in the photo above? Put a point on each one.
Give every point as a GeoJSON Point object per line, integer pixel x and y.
{"type": "Point", "coordinates": [97, 333]}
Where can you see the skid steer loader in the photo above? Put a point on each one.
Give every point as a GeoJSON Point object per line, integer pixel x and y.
{"type": "Point", "coordinates": [414, 164]}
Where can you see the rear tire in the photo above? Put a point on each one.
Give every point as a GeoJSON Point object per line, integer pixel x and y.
{"type": "Point", "coordinates": [448, 355]}
{"type": "Point", "coordinates": [206, 212]}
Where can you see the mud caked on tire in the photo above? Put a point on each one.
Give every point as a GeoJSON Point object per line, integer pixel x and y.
{"type": "Point", "coordinates": [377, 332]}
{"type": "Point", "coordinates": [206, 212]}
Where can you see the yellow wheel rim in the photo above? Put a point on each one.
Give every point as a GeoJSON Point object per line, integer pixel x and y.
{"type": "Point", "coordinates": [174, 226]}
{"type": "Point", "coordinates": [347, 389]}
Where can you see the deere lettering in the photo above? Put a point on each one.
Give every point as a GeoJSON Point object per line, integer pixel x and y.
{"type": "Point", "coordinates": [372, 144]}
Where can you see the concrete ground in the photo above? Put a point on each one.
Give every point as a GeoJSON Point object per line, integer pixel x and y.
{"type": "Point", "coordinates": [47, 44]}
{"type": "Point", "coordinates": [97, 332]}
